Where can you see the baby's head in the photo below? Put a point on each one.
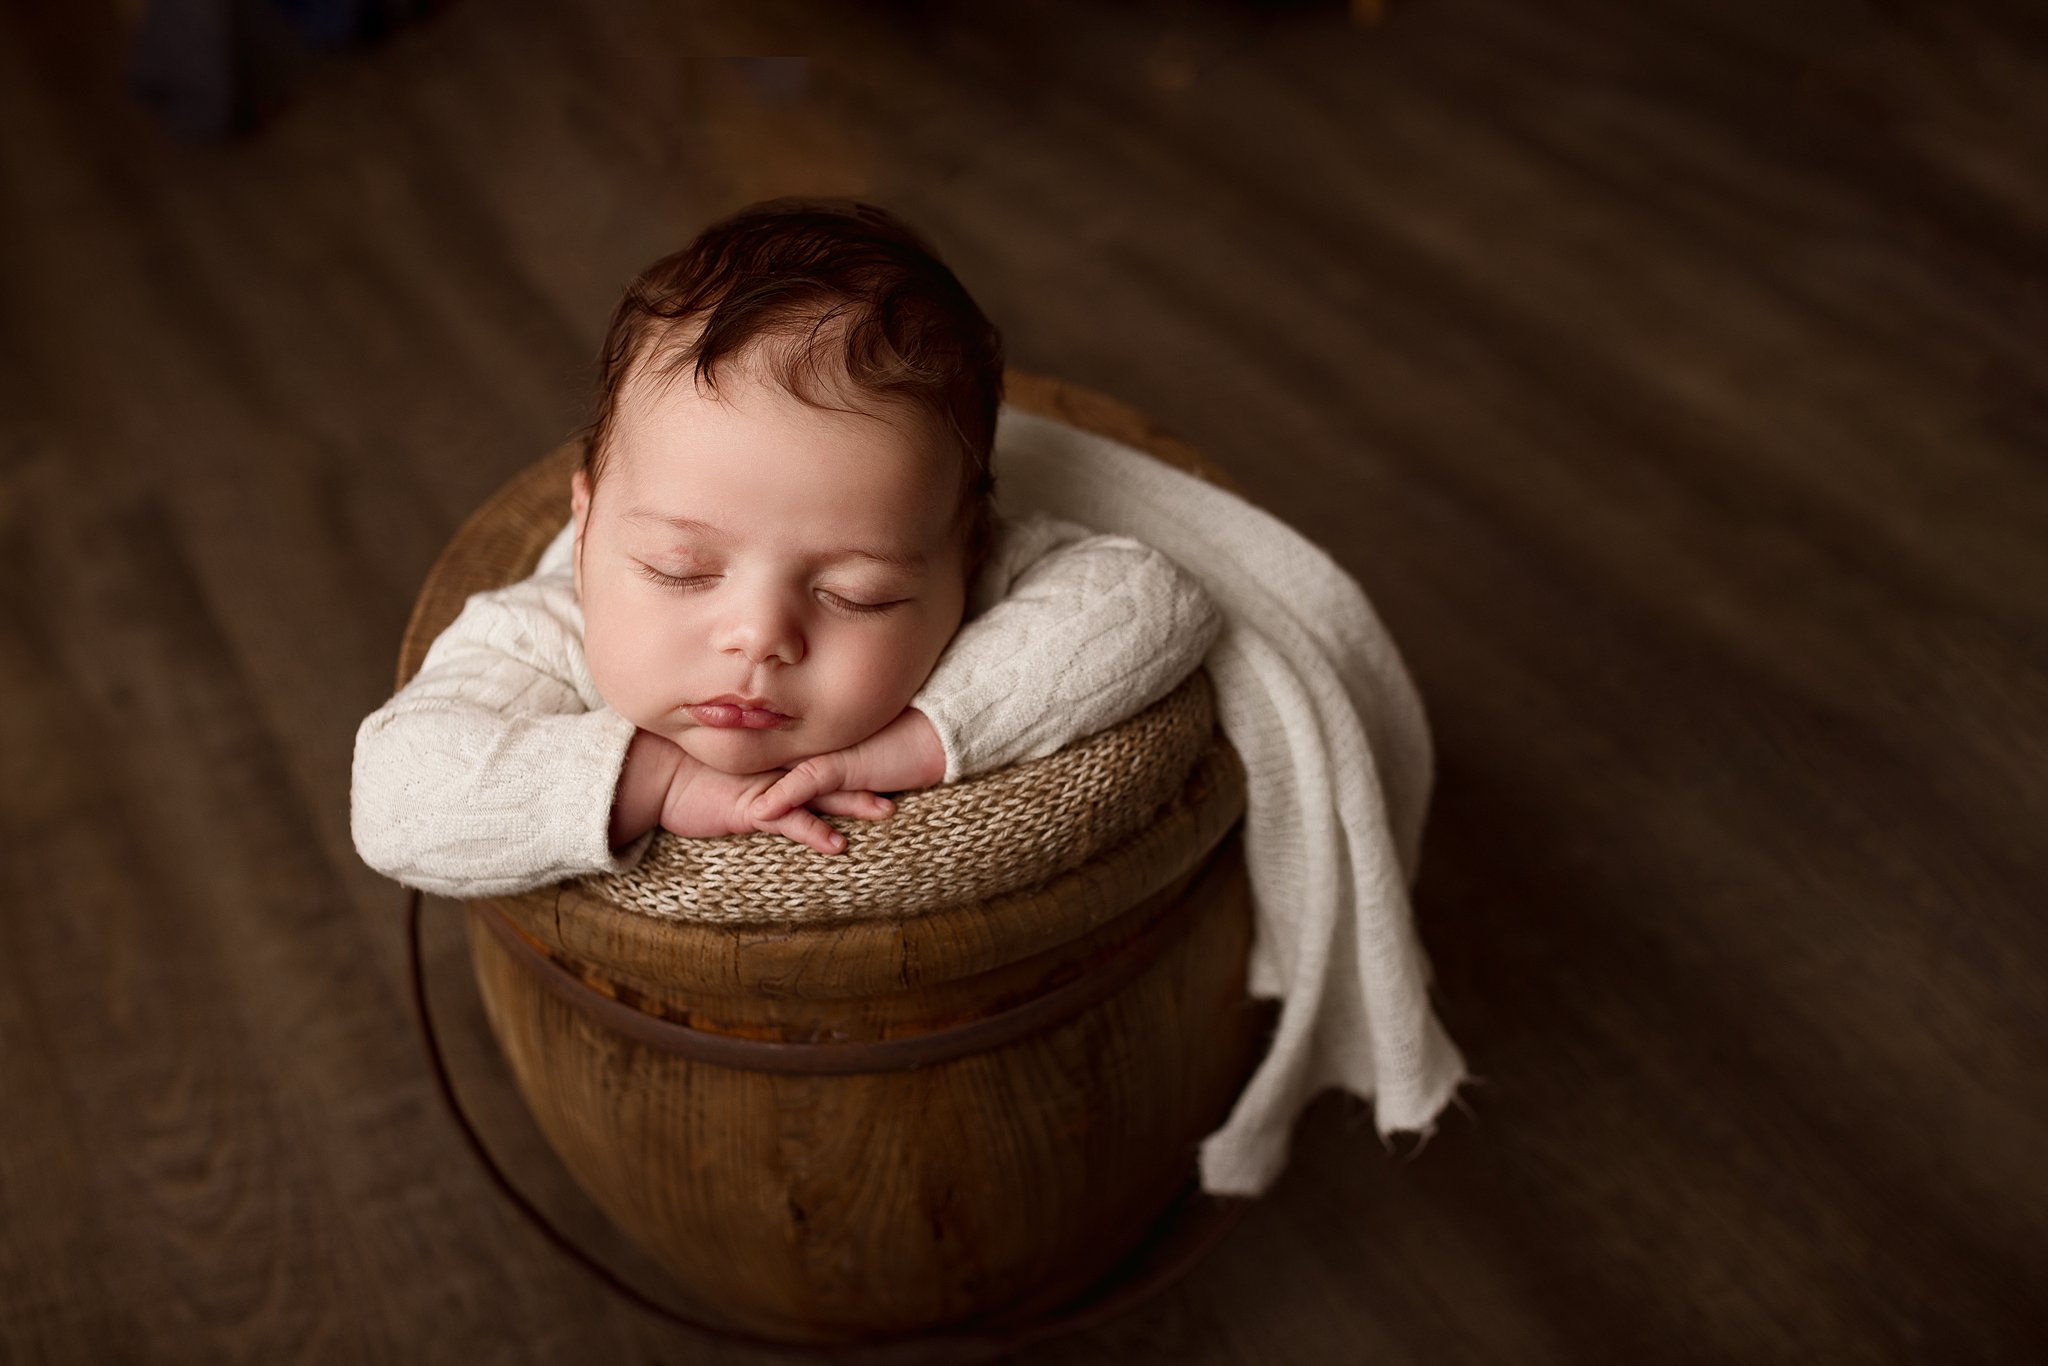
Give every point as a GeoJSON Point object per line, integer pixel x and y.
{"type": "Point", "coordinates": [786, 485]}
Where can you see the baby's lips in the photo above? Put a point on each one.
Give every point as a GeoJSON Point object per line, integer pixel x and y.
{"type": "Point", "coordinates": [725, 715]}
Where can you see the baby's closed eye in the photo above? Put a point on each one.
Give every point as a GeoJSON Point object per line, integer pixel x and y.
{"type": "Point", "coordinates": [666, 580]}
{"type": "Point", "coordinates": [858, 604]}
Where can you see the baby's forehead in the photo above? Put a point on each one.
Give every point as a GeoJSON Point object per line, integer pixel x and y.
{"type": "Point", "coordinates": [751, 468]}
{"type": "Point", "coordinates": [731, 397]}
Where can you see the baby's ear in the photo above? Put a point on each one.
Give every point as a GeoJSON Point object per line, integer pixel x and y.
{"type": "Point", "coordinates": [579, 512]}
{"type": "Point", "coordinates": [579, 499]}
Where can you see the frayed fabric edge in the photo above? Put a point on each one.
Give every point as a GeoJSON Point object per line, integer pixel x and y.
{"type": "Point", "coordinates": [1248, 1169]}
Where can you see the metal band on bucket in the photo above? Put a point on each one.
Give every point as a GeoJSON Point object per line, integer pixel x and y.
{"type": "Point", "coordinates": [1102, 980]}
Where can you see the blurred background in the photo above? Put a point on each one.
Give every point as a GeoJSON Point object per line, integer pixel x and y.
{"type": "Point", "coordinates": [1672, 376]}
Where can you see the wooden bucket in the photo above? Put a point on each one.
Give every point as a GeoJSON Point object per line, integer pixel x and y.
{"type": "Point", "coordinates": [831, 1130]}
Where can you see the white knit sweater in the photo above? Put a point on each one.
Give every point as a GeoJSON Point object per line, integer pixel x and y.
{"type": "Point", "coordinates": [494, 769]}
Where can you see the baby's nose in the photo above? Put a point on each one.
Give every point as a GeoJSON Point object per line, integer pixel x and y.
{"type": "Point", "coordinates": [762, 630]}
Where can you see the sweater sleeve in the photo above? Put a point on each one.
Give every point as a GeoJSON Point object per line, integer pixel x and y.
{"type": "Point", "coordinates": [1077, 633]}
{"type": "Point", "coordinates": [493, 771]}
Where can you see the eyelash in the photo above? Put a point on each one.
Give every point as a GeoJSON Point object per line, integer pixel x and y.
{"type": "Point", "coordinates": [661, 580]}
{"type": "Point", "coordinates": [845, 606]}
{"type": "Point", "coordinates": [857, 609]}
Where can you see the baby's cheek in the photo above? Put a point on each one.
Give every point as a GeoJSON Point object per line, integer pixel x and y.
{"type": "Point", "coordinates": [619, 676]}
{"type": "Point", "coordinates": [911, 662]}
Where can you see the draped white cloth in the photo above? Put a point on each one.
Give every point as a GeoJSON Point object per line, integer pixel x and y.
{"type": "Point", "coordinates": [1315, 698]}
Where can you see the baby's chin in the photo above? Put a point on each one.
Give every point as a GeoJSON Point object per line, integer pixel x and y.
{"type": "Point", "coordinates": [742, 751]}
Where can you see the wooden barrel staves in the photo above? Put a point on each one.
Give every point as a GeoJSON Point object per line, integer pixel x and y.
{"type": "Point", "coordinates": [836, 1115]}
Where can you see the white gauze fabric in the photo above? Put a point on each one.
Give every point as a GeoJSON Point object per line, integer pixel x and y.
{"type": "Point", "coordinates": [1314, 696]}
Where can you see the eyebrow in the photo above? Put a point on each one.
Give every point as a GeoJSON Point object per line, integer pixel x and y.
{"type": "Point", "coordinates": [914, 564]}
{"type": "Point", "coordinates": [679, 523]}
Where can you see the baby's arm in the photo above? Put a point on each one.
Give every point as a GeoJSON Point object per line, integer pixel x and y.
{"type": "Point", "coordinates": [494, 770]}
{"type": "Point", "coordinates": [1084, 632]}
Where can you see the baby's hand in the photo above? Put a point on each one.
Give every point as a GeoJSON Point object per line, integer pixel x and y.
{"type": "Point", "coordinates": [703, 802]}
{"type": "Point", "coordinates": [901, 756]}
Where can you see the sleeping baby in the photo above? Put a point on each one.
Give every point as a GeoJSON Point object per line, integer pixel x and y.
{"type": "Point", "coordinates": [783, 591]}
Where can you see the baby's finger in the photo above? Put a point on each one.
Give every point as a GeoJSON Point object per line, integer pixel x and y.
{"type": "Point", "coordinates": [793, 789]}
{"type": "Point", "coordinates": [805, 828]}
{"type": "Point", "coordinates": [864, 806]}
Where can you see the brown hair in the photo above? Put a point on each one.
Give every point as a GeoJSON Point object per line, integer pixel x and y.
{"type": "Point", "coordinates": [850, 296]}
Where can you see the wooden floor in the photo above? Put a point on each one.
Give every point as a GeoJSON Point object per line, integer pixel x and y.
{"type": "Point", "coordinates": [1674, 376]}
